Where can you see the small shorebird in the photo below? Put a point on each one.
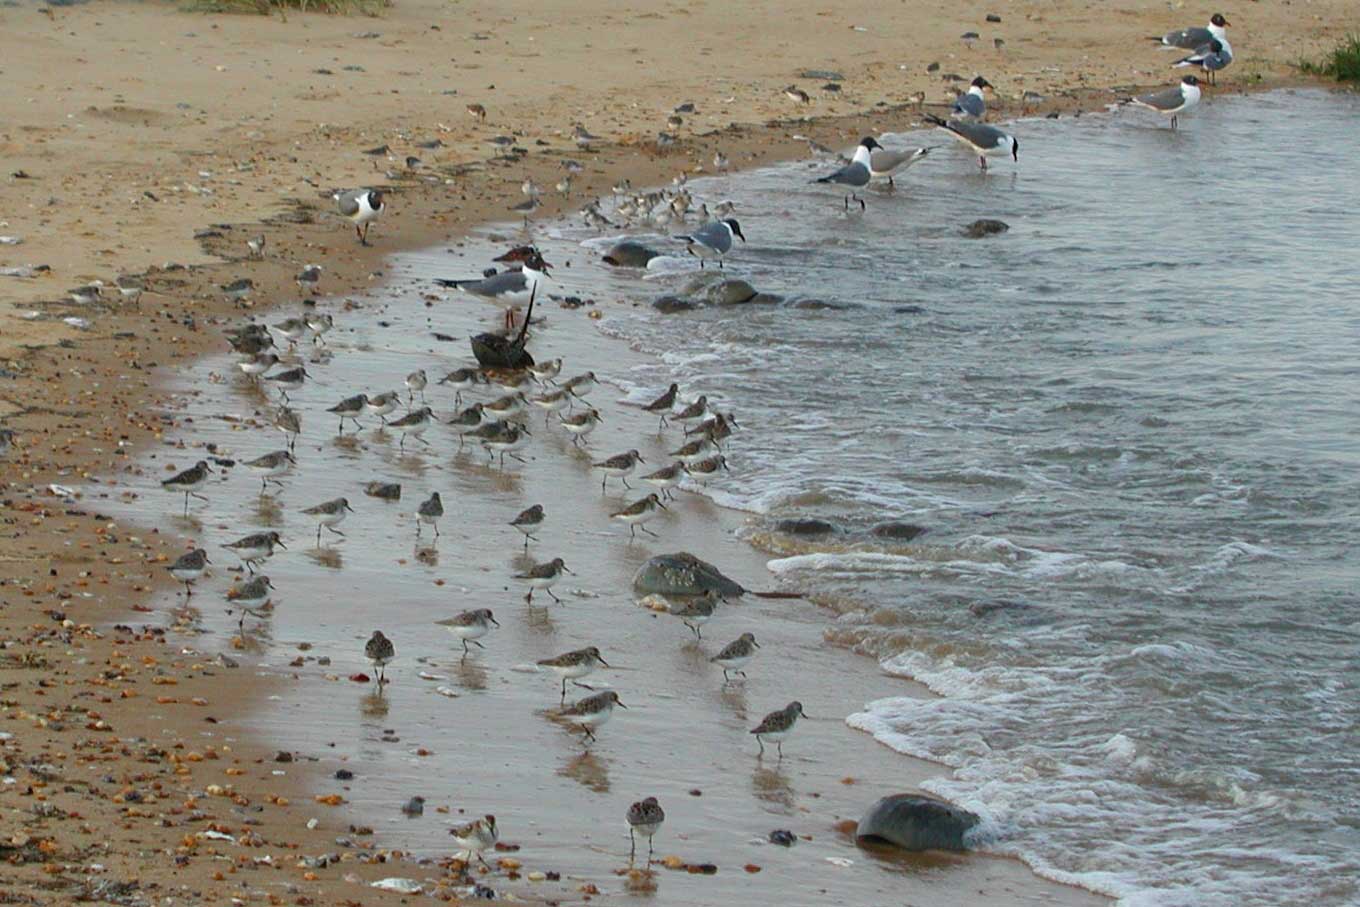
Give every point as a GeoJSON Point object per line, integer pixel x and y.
{"type": "Point", "coordinates": [129, 287]}
{"type": "Point", "coordinates": [460, 380]}
{"type": "Point", "coordinates": [580, 385]}
{"type": "Point", "coordinates": [188, 568]}
{"type": "Point", "coordinates": [736, 654]}
{"type": "Point", "coordinates": [189, 481]}
{"type": "Point", "coordinates": [983, 139]}
{"type": "Point", "coordinates": [717, 427]}
{"type": "Point", "coordinates": [256, 245]}
{"type": "Point", "coordinates": [7, 439]}
{"type": "Point", "coordinates": [415, 384]}
{"type": "Point", "coordinates": [638, 513]}
{"type": "Point", "coordinates": [470, 626]}
{"type": "Point", "coordinates": [362, 207]}
{"type": "Point", "coordinates": [856, 174]}
{"type": "Point", "coordinates": [707, 468]}
{"type": "Point", "coordinates": [349, 408]}
{"type": "Point", "coordinates": [644, 818]}
{"type": "Point", "coordinates": [329, 515]}
{"type": "Point", "coordinates": [797, 95]}
{"type": "Point", "coordinates": [694, 411]}
{"type": "Point", "coordinates": [87, 294]}
{"type": "Point", "coordinates": [778, 725]}
{"type": "Point", "coordinates": [413, 423]}
{"type": "Point", "coordinates": [413, 807]}
{"type": "Point", "coordinates": [258, 364]}
{"type": "Point", "coordinates": [476, 837]}
{"type": "Point", "coordinates": [720, 161]}
{"type": "Point", "coordinates": [551, 402]}
{"type": "Point", "coordinates": [972, 104]}
{"type": "Point", "coordinates": [467, 421]}
{"type": "Point", "coordinates": [506, 442]}
{"type": "Point", "coordinates": [543, 576]}
{"type": "Point", "coordinates": [664, 404]}
{"type": "Point", "coordinates": [666, 478]}
{"type": "Point", "coordinates": [545, 372]}
{"type": "Point", "coordinates": [319, 323]}
{"type": "Point", "coordinates": [581, 424]}
{"type": "Point", "coordinates": [581, 135]}
{"type": "Point", "coordinates": [379, 650]}
{"type": "Point", "coordinates": [308, 278]}
{"type": "Point", "coordinates": [251, 340]}
{"type": "Point", "coordinates": [574, 665]}
{"type": "Point", "coordinates": [270, 466]}
{"type": "Point", "coordinates": [239, 289]}
{"type": "Point", "coordinates": [292, 330]}
{"type": "Point", "coordinates": [477, 111]}
{"type": "Point", "coordinates": [618, 466]}
{"type": "Point", "coordinates": [381, 405]}
{"type": "Point", "coordinates": [289, 380]}
{"type": "Point", "coordinates": [527, 521]}
{"type": "Point", "coordinates": [250, 596]}
{"type": "Point", "coordinates": [256, 547]}
{"type": "Point", "coordinates": [696, 612]}
{"type": "Point", "coordinates": [1195, 38]}
{"type": "Point", "coordinates": [505, 407]}
{"type": "Point", "coordinates": [593, 711]}
{"type": "Point", "coordinates": [429, 511]}
{"type": "Point", "coordinates": [712, 240]}
{"type": "Point", "coordinates": [1172, 101]}
{"type": "Point", "coordinates": [693, 451]}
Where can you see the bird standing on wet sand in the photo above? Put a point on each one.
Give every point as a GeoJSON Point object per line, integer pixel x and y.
{"type": "Point", "coordinates": [460, 380]}
{"type": "Point", "coordinates": [256, 246]}
{"type": "Point", "coordinates": [413, 807]}
{"type": "Point", "coordinates": [638, 513]}
{"type": "Point", "coordinates": [415, 384]}
{"type": "Point", "coordinates": [258, 364]}
{"type": "Point", "coordinates": [349, 408]}
{"type": "Point", "coordinates": [319, 323]}
{"type": "Point", "coordinates": [308, 278]}
{"type": "Point", "coordinates": [256, 547]}
{"type": "Point", "coordinates": [1217, 55]}
{"type": "Point", "coordinates": [666, 478]}
{"type": "Point", "coordinates": [735, 655]}
{"type": "Point", "coordinates": [662, 405]}
{"type": "Point", "coordinates": [694, 411]}
{"type": "Point", "coordinates": [362, 207]}
{"type": "Point", "coordinates": [329, 515]}
{"type": "Point", "coordinates": [7, 438]}
{"type": "Point", "coordinates": [270, 466]}
{"type": "Point", "coordinates": [470, 626]}
{"type": "Point", "coordinates": [413, 423]}
{"type": "Point", "coordinates": [476, 837]}
{"type": "Point", "coordinates": [250, 596]}
{"type": "Point", "coordinates": [696, 612]}
{"type": "Point", "coordinates": [591, 712]}
{"type": "Point", "coordinates": [289, 380]}
{"type": "Point", "coordinates": [189, 481]}
{"type": "Point", "coordinates": [574, 665]}
{"type": "Point", "coordinates": [581, 424]}
{"type": "Point", "coordinates": [618, 466]}
{"type": "Point", "coordinates": [543, 576]}
{"type": "Point", "coordinates": [972, 104]}
{"type": "Point", "coordinates": [188, 568]}
{"type": "Point", "coordinates": [379, 650]}
{"type": "Point", "coordinates": [528, 520]}
{"type": "Point", "coordinates": [644, 818]}
{"type": "Point", "coordinates": [429, 511]}
{"type": "Point", "coordinates": [580, 385]}
{"type": "Point", "coordinates": [289, 421]}
{"type": "Point", "coordinates": [778, 725]}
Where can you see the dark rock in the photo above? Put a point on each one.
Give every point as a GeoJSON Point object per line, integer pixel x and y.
{"type": "Point", "coordinates": [820, 75]}
{"type": "Point", "coordinates": [815, 305]}
{"type": "Point", "coordinates": [343, 774]}
{"type": "Point", "coordinates": [898, 532]}
{"type": "Point", "coordinates": [283, 756]}
{"type": "Point", "coordinates": [731, 292]}
{"type": "Point", "coordinates": [984, 609]}
{"type": "Point", "coordinates": [782, 837]}
{"type": "Point", "coordinates": [765, 299]}
{"type": "Point", "coordinates": [917, 822]}
{"type": "Point", "coordinates": [910, 310]}
{"type": "Point", "coordinates": [671, 304]}
{"type": "Point", "coordinates": [386, 491]}
{"type": "Point", "coordinates": [805, 527]}
{"type": "Point", "coordinates": [993, 17]}
{"type": "Point", "coordinates": [985, 227]}
{"type": "Point", "coordinates": [629, 254]}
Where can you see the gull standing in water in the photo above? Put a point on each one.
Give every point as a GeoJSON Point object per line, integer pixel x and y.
{"type": "Point", "coordinates": [885, 162]}
{"type": "Point", "coordinates": [515, 286]}
{"type": "Point", "coordinates": [362, 207]}
{"type": "Point", "coordinates": [712, 240]}
{"type": "Point", "coordinates": [985, 140]}
{"type": "Point", "coordinates": [1172, 101]}
{"type": "Point", "coordinates": [855, 174]}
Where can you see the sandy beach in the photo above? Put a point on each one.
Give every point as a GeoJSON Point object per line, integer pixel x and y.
{"type": "Point", "coordinates": [139, 139]}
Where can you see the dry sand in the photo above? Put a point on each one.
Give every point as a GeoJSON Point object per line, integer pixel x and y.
{"type": "Point", "coordinates": [112, 116]}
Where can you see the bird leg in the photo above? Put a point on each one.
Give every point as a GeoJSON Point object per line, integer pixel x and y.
{"type": "Point", "coordinates": [632, 849]}
{"type": "Point", "coordinates": [553, 597]}
{"type": "Point", "coordinates": [648, 531]}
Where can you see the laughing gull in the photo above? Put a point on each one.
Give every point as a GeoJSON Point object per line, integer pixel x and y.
{"type": "Point", "coordinates": [1209, 59]}
{"type": "Point", "coordinates": [972, 106]}
{"type": "Point", "coordinates": [883, 162]}
{"type": "Point", "coordinates": [855, 174]}
{"type": "Point", "coordinates": [713, 240]}
{"type": "Point", "coordinates": [1195, 38]}
{"type": "Point", "coordinates": [1172, 101]}
{"type": "Point", "coordinates": [362, 207]}
{"type": "Point", "coordinates": [983, 139]}
{"type": "Point", "coordinates": [513, 286]}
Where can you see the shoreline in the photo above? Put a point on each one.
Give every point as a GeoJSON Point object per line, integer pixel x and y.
{"type": "Point", "coordinates": [113, 372]}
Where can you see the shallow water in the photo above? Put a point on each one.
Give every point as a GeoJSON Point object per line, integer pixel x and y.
{"type": "Point", "coordinates": [1128, 426]}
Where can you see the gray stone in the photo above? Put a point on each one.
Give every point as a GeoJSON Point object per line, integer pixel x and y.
{"type": "Point", "coordinates": [985, 227]}
{"type": "Point", "coordinates": [898, 532]}
{"type": "Point", "coordinates": [805, 527]}
{"type": "Point", "coordinates": [672, 304]}
{"type": "Point", "coordinates": [917, 822]}
{"type": "Point", "coordinates": [731, 292]}
{"type": "Point", "coordinates": [629, 254]}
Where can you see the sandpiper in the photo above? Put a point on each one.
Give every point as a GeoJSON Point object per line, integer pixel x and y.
{"type": "Point", "coordinates": [250, 596]}
{"type": "Point", "coordinates": [292, 330]}
{"type": "Point", "coordinates": [379, 650]}
{"type": "Point", "coordinates": [129, 287]}
{"type": "Point", "coordinates": [543, 576]}
{"type": "Point", "coordinates": [270, 466]}
{"type": "Point", "coordinates": [574, 665]}
{"type": "Point", "coordinates": [666, 478]}
{"type": "Point", "coordinates": [308, 278]}
{"type": "Point", "coordinates": [362, 207]}
{"type": "Point", "coordinates": [470, 626]}
{"type": "Point", "coordinates": [413, 423]}
{"type": "Point", "coordinates": [429, 511]}
{"type": "Point", "coordinates": [506, 442]}
{"type": "Point", "coordinates": [618, 466]}
{"type": "Point", "coordinates": [545, 372]}
{"type": "Point", "coordinates": [510, 379]}
{"type": "Point", "coordinates": [86, 294]}
{"type": "Point", "coordinates": [7, 439]}
{"type": "Point", "coordinates": [644, 818]}
{"type": "Point", "coordinates": [189, 481]}
{"type": "Point", "coordinates": [551, 402]}
{"type": "Point", "coordinates": [188, 567]}
{"type": "Point", "coordinates": [505, 407]}
{"type": "Point", "coordinates": [349, 408]}
{"type": "Point", "coordinates": [415, 384]}
{"type": "Point", "coordinates": [581, 424]}
{"type": "Point", "coordinates": [694, 451]}
{"type": "Point", "coordinates": [581, 135]}
{"type": "Point", "coordinates": [461, 380]}
{"type": "Point", "coordinates": [736, 654]}
{"type": "Point", "coordinates": [797, 95]}
{"type": "Point", "coordinates": [778, 725]}
{"type": "Point", "coordinates": [289, 421]}
{"type": "Point", "coordinates": [527, 521]}
{"type": "Point", "coordinates": [478, 111]}
{"type": "Point", "coordinates": [580, 385]}
{"type": "Point", "coordinates": [256, 245]}
{"type": "Point", "coordinates": [319, 323]}
{"type": "Point", "coordinates": [467, 421]}
{"type": "Point", "coordinates": [694, 411]}
{"type": "Point", "coordinates": [251, 340]}
{"type": "Point", "coordinates": [717, 427]}
{"type": "Point", "coordinates": [592, 711]}
{"type": "Point", "coordinates": [256, 547]}
{"type": "Point", "coordinates": [664, 404]}
{"type": "Point", "coordinates": [638, 513]}
{"type": "Point", "coordinates": [381, 405]}
{"type": "Point", "coordinates": [476, 837]}
{"type": "Point", "coordinates": [239, 289]}
{"type": "Point", "coordinates": [707, 468]}
{"type": "Point", "coordinates": [329, 515]}
{"type": "Point", "coordinates": [696, 611]}
{"type": "Point", "coordinates": [289, 380]}
{"type": "Point", "coordinates": [413, 807]}
{"type": "Point", "coordinates": [258, 364]}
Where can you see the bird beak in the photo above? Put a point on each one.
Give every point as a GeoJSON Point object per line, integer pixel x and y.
{"type": "Point", "coordinates": [640, 460]}
{"type": "Point", "coordinates": [493, 620]}
{"type": "Point", "coordinates": [349, 508]}
{"type": "Point", "coordinates": [756, 644]}
{"type": "Point", "coordinates": [205, 559]}
{"type": "Point", "coordinates": [566, 570]}
{"type": "Point", "coordinates": [661, 505]}
{"type": "Point", "coordinates": [620, 704]}
{"type": "Point", "coordinates": [282, 545]}
{"type": "Point", "coordinates": [605, 663]}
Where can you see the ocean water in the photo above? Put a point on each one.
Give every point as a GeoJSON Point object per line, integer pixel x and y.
{"type": "Point", "coordinates": [1129, 428]}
